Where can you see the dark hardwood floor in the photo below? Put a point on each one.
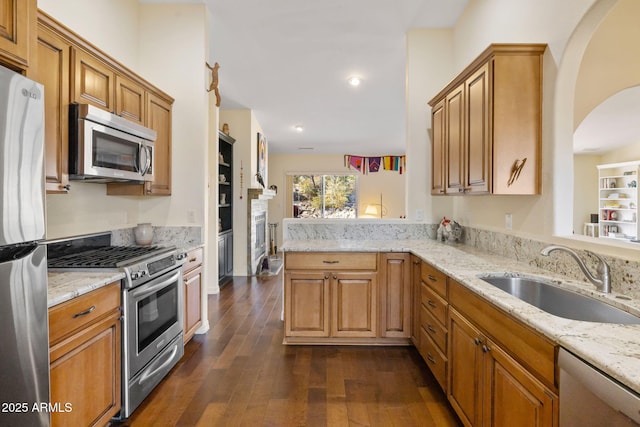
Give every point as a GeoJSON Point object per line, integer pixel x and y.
{"type": "Point", "coordinates": [240, 374]}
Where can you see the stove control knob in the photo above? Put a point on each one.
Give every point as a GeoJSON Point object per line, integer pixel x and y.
{"type": "Point", "coordinates": [135, 275]}
{"type": "Point", "coordinates": [143, 273]}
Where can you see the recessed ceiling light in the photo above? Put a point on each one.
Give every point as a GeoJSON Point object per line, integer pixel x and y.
{"type": "Point", "coordinates": [354, 81]}
{"type": "Point", "coordinates": [298, 128]}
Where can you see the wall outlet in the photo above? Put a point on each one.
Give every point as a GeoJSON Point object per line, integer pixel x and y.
{"type": "Point", "coordinates": [419, 214]}
{"type": "Point", "coordinates": [191, 217]}
{"type": "Point", "coordinates": [508, 221]}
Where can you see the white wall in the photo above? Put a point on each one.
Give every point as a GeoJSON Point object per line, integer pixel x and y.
{"type": "Point", "coordinates": [505, 21]}
{"type": "Point", "coordinates": [173, 60]}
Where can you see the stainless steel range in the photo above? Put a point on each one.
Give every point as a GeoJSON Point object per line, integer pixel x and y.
{"type": "Point", "coordinates": [152, 304]}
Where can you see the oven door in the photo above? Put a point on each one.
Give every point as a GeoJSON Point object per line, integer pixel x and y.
{"type": "Point", "coordinates": [153, 318]}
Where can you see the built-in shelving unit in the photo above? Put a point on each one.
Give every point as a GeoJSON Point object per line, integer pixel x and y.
{"type": "Point", "coordinates": [225, 207]}
{"type": "Point", "coordinates": [618, 200]}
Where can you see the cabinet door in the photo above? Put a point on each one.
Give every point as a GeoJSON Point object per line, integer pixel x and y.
{"type": "Point", "coordinates": [85, 373]}
{"type": "Point", "coordinates": [478, 142]}
{"type": "Point", "coordinates": [192, 302]}
{"type": "Point", "coordinates": [53, 73]}
{"type": "Point", "coordinates": [454, 141]}
{"type": "Point", "coordinates": [93, 81]}
{"type": "Point", "coordinates": [158, 114]}
{"type": "Point", "coordinates": [395, 295]}
{"type": "Point", "coordinates": [465, 368]}
{"type": "Point", "coordinates": [222, 252]}
{"type": "Point", "coordinates": [130, 100]}
{"type": "Point", "coordinates": [512, 396]}
{"type": "Point", "coordinates": [228, 247]}
{"type": "Point", "coordinates": [438, 149]}
{"type": "Point", "coordinates": [353, 304]}
{"type": "Point", "coordinates": [307, 304]}
{"type": "Point", "coordinates": [416, 264]}
{"type": "Point", "coordinates": [16, 21]}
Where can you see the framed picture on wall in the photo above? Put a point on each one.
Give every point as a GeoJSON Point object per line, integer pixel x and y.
{"type": "Point", "coordinates": [262, 159]}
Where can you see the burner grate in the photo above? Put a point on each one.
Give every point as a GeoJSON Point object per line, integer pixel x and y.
{"type": "Point", "coordinates": [105, 257]}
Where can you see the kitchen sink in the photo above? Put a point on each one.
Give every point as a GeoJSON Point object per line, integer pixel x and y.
{"type": "Point", "coordinates": [561, 302]}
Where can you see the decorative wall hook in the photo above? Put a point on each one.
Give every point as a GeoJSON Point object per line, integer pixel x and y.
{"type": "Point", "coordinates": [214, 81]}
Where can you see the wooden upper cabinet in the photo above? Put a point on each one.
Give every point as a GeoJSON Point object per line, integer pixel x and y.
{"type": "Point", "coordinates": [492, 124]}
{"type": "Point", "coordinates": [53, 73]}
{"type": "Point", "coordinates": [477, 148]}
{"type": "Point", "coordinates": [17, 23]}
{"type": "Point", "coordinates": [130, 100]}
{"type": "Point", "coordinates": [159, 119]}
{"type": "Point", "coordinates": [454, 141]}
{"type": "Point", "coordinates": [438, 147]}
{"type": "Point", "coordinates": [93, 81]}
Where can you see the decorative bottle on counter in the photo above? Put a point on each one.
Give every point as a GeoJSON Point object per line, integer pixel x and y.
{"type": "Point", "coordinates": [143, 233]}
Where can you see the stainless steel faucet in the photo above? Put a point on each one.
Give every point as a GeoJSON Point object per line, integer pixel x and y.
{"type": "Point", "coordinates": [601, 280]}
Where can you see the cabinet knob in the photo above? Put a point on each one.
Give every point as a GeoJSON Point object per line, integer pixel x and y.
{"type": "Point", "coordinates": [477, 341]}
{"type": "Point", "coordinates": [335, 277]}
{"type": "Point", "coordinates": [431, 304]}
{"type": "Point", "coordinates": [431, 329]}
{"type": "Point", "coordinates": [431, 277]}
{"type": "Point", "coordinates": [431, 358]}
{"type": "Point", "coordinates": [486, 349]}
{"type": "Point", "coordinates": [416, 262]}
{"type": "Point", "coordinates": [65, 187]}
{"type": "Point", "coordinates": [460, 190]}
{"type": "Point", "coordinates": [326, 277]}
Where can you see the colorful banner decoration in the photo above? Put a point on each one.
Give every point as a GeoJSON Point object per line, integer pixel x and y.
{"type": "Point", "coordinates": [366, 165]}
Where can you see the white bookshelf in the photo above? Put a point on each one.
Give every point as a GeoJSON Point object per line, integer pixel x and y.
{"type": "Point", "coordinates": [618, 200]}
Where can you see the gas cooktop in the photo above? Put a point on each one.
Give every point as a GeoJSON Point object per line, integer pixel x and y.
{"type": "Point", "coordinates": [106, 257]}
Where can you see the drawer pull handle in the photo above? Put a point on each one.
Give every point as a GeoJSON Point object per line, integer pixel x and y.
{"type": "Point", "coordinates": [84, 313]}
{"type": "Point", "coordinates": [192, 259]}
{"type": "Point", "coordinates": [432, 329]}
{"type": "Point", "coordinates": [416, 262]}
{"type": "Point", "coordinates": [432, 277]}
{"type": "Point", "coordinates": [431, 359]}
{"type": "Point", "coordinates": [330, 262]}
{"type": "Point", "coordinates": [431, 304]}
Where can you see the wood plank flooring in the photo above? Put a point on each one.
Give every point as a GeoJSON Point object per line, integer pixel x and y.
{"type": "Point", "coordinates": [240, 374]}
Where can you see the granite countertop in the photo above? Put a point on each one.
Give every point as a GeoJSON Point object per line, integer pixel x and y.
{"type": "Point", "coordinates": [68, 285]}
{"type": "Point", "coordinates": [614, 349]}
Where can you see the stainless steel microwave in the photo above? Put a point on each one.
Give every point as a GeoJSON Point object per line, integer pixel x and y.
{"type": "Point", "coordinates": [104, 147]}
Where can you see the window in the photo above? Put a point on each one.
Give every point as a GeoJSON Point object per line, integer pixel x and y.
{"type": "Point", "coordinates": [324, 196]}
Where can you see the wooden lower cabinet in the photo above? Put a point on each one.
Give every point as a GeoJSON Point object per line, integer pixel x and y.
{"type": "Point", "coordinates": [306, 304]}
{"type": "Point", "coordinates": [326, 304]}
{"type": "Point", "coordinates": [344, 298]}
{"type": "Point", "coordinates": [488, 387]}
{"type": "Point", "coordinates": [415, 300]}
{"type": "Point", "coordinates": [192, 293]}
{"type": "Point", "coordinates": [395, 295]}
{"type": "Point", "coordinates": [85, 358]}
{"type": "Point", "coordinates": [354, 304]}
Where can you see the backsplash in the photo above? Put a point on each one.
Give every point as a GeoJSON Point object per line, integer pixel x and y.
{"type": "Point", "coordinates": [357, 230]}
{"type": "Point", "coordinates": [181, 237]}
{"type": "Point", "coordinates": [625, 274]}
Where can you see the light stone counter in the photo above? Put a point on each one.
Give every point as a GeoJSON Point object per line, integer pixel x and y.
{"type": "Point", "coordinates": [614, 349]}
{"type": "Point", "coordinates": [66, 286]}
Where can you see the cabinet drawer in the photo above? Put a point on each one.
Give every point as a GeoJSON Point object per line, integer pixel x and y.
{"type": "Point", "coordinates": [434, 278]}
{"type": "Point", "coordinates": [434, 303]}
{"type": "Point", "coordinates": [331, 261]}
{"type": "Point", "coordinates": [74, 314]}
{"type": "Point", "coordinates": [436, 361]}
{"type": "Point", "coordinates": [434, 329]}
{"type": "Point", "coordinates": [194, 259]}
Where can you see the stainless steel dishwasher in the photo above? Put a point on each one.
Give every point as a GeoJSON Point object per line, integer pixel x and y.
{"type": "Point", "coordinates": [589, 397]}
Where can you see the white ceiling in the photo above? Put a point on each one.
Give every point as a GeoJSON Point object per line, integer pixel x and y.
{"type": "Point", "coordinates": [289, 60]}
{"type": "Point", "coordinates": [612, 124]}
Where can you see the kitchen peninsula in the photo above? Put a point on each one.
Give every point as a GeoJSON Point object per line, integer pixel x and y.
{"type": "Point", "coordinates": [609, 347]}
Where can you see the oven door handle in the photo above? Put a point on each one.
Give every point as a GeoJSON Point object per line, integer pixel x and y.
{"type": "Point", "coordinates": [148, 375]}
{"type": "Point", "coordinates": [146, 291]}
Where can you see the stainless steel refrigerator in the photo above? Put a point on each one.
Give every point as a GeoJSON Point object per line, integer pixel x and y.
{"type": "Point", "coordinates": [24, 347]}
